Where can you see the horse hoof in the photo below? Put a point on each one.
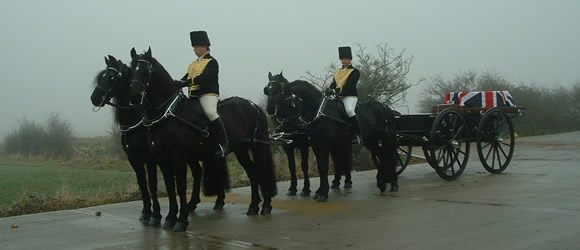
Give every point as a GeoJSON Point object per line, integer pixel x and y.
{"type": "Point", "coordinates": [169, 224]}
{"type": "Point", "coordinates": [192, 207]}
{"type": "Point", "coordinates": [253, 210]}
{"type": "Point", "coordinates": [394, 188]}
{"type": "Point", "coordinates": [144, 218]}
{"type": "Point", "coordinates": [155, 221]}
{"type": "Point", "coordinates": [180, 227]}
{"type": "Point", "coordinates": [266, 210]}
{"type": "Point", "coordinates": [347, 185]}
{"type": "Point", "coordinates": [335, 187]}
{"type": "Point", "coordinates": [291, 193]}
{"type": "Point", "coordinates": [219, 205]}
{"type": "Point", "coordinates": [305, 193]}
{"type": "Point", "coordinates": [322, 198]}
{"type": "Point", "coordinates": [382, 187]}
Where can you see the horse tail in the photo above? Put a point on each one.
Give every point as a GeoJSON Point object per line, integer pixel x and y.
{"type": "Point", "coordinates": [216, 177]}
{"type": "Point", "coordinates": [263, 156]}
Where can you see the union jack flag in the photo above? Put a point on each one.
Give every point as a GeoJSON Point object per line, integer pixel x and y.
{"type": "Point", "coordinates": [480, 99]}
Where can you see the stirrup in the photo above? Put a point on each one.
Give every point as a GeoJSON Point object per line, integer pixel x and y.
{"type": "Point", "coordinates": [221, 152]}
{"type": "Point", "coordinates": [356, 140]}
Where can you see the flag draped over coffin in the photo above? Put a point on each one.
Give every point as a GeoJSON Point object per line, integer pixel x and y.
{"type": "Point", "coordinates": [480, 99]}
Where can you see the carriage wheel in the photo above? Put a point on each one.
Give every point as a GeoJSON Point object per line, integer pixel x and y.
{"type": "Point", "coordinates": [495, 141]}
{"type": "Point", "coordinates": [449, 149]}
{"type": "Point", "coordinates": [404, 156]}
{"type": "Point", "coordinates": [428, 156]}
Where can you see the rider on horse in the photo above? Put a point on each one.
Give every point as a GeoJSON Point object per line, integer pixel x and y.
{"type": "Point", "coordinates": [344, 86]}
{"type": "Point", "coordinates": [202, 82]}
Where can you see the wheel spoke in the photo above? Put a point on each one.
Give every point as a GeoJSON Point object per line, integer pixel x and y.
{"type": "Point", "coordinates": [457, 160]}
{"type": "Point", "coordinates": [439, 154]}
{"type": "Point", "coordinates": [502, 151]}
{"type": "Point", "coordinates": [498, 159]}
{"type": "Point", "coordinates": [404, 151]}
{"type": "Point", "coordinates": [485, 146]}
{"type": "Point", "coordinates": [458, 131]}
{"type": "Point", "coordinates": [509, 145]}
{"type": "Point", "coordinates": [488, 152]}
{"type": "Point", "coordinates": [452, 163]}
{"type": "Point", "coordinates": [493, 158]}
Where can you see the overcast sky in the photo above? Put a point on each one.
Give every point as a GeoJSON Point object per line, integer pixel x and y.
{"type": "Point", "coordinates": [51, 50]}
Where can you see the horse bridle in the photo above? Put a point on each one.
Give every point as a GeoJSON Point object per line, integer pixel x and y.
{"type": "Point", "coordinates": [292, 99]}
{"type": "Point", "coordinates": [105, 99]}
{"type": "Point", "coordinates": [145, 86]}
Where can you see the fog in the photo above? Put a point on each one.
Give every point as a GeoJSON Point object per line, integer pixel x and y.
{"type": "Point", "coordinates": [51, 50]}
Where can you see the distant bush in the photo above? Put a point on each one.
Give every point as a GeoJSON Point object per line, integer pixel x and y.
{"type": "Point", "coordinates": [53, 140]}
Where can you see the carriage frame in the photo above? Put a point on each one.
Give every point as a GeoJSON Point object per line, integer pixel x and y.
{"type": "Point", "coordinates": [445, 136]}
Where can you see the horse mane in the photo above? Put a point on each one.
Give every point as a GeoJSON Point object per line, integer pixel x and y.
{"type": "Point", "coordinates": [97, 78]}
{"type": "Point", "coordinates": [162, 72]}
{"type": "Point", "coordinates": [306, 88]}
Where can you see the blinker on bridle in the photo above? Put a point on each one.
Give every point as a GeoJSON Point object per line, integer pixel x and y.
{"type": "Point", "coordinates": [140, 84]}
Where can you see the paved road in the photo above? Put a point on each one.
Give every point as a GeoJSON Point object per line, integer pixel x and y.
{"type": "Point", "coordinates": [535, 204]}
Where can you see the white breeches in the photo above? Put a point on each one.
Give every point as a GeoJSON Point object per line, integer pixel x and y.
{"type": "Point", "coordinates": [209, 105]}
{"type": "Point", "coordinates": [349, 104]}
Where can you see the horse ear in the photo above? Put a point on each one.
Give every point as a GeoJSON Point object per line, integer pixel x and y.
{"type": "Point", "coordinates": [107, 61]}
{"type": "Point", "coordinates": [281, 73]}
{"type": "Point", "coordinates": [133, 53]}
{"type": "Point", "coordinates": [148, 53]}
{"type": "Point", "coordinates": [270, 76]}
{"type": "Point", "coordinates": [112, 58]}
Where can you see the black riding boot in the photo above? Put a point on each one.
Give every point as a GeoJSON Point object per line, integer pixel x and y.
{"type": "Point", "coordinates": [218, 128]}
{"type": "Point", "coordinates": [355, 130]}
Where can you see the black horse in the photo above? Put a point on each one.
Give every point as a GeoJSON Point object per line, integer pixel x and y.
{"type": "Point", "coordinates": [291, 131]}
{"type": "Point", "coordinates": [179, 133]}
{"type": "Point", "coordinates": [329, 135]}
{"type": "Point", "coordinates": [113, 83]}
{"type": "Point", "coordinates": [324, 122]}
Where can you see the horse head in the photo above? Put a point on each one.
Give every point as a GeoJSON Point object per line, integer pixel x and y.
{"type": "Point", "coordinates": [111, 82]}
{"type": "Point", "coordinates": [277, 89]}
{"type": "Point", "coordinates": [141, 71]}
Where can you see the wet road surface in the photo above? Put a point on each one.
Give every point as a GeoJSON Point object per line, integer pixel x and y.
{"type": "Point", "coordinates": [535, 204]}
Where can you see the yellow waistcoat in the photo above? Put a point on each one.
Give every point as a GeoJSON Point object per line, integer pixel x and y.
{"type": "Point", "coordinates": [341, 77]}
{"type": "Point", "coordinates": [196, 68]}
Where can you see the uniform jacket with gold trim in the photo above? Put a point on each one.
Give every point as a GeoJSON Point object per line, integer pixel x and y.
{"type": "Point", "coordinates": [345, 81]}
{"type": "Point", "coordinates": [202, 76]}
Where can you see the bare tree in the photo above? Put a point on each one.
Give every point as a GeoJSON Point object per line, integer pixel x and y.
{"type": "Point", "coordinates": [383, 75]}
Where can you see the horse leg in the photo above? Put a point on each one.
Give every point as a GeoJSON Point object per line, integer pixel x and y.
{"type": "Point", "coordinates": [381, 174]}
{"type": "Point", "coordinates": [155, 219]}
{"type": "Point", "coordinates": [181, 179]}
{"type": "Point", "coordinates": [304, 152]}
{"type": "Point", "coordinates": [244, 159]}
{"type": "Point", "coordinates": [196, 174]}
{"type": "Point", "coordinates": [322, 155]}
{"type": "Point", "coordinates": [391, 168]}
{"type": "Point", "coordinates": [169, 180]}
{"type": "Point", "coordinates": [338, 167]}
{"type": "Point", "coordinates": [220, 200]}
{"type": "Point", "coordinates": [289, 149]}
{"type": "Point", "coordinates": [139, 168]}
{"type": "Point", "coordinates": [347, 167]}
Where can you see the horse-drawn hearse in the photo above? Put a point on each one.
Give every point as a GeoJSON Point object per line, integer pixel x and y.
{"type": "Point", "coordinates": [445, 134]}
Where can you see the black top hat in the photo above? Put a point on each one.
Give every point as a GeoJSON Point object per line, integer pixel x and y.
{"type": "Point", "coordinates": [344, 52]}
{"type": "Point", "coordinates": [199, 38]}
